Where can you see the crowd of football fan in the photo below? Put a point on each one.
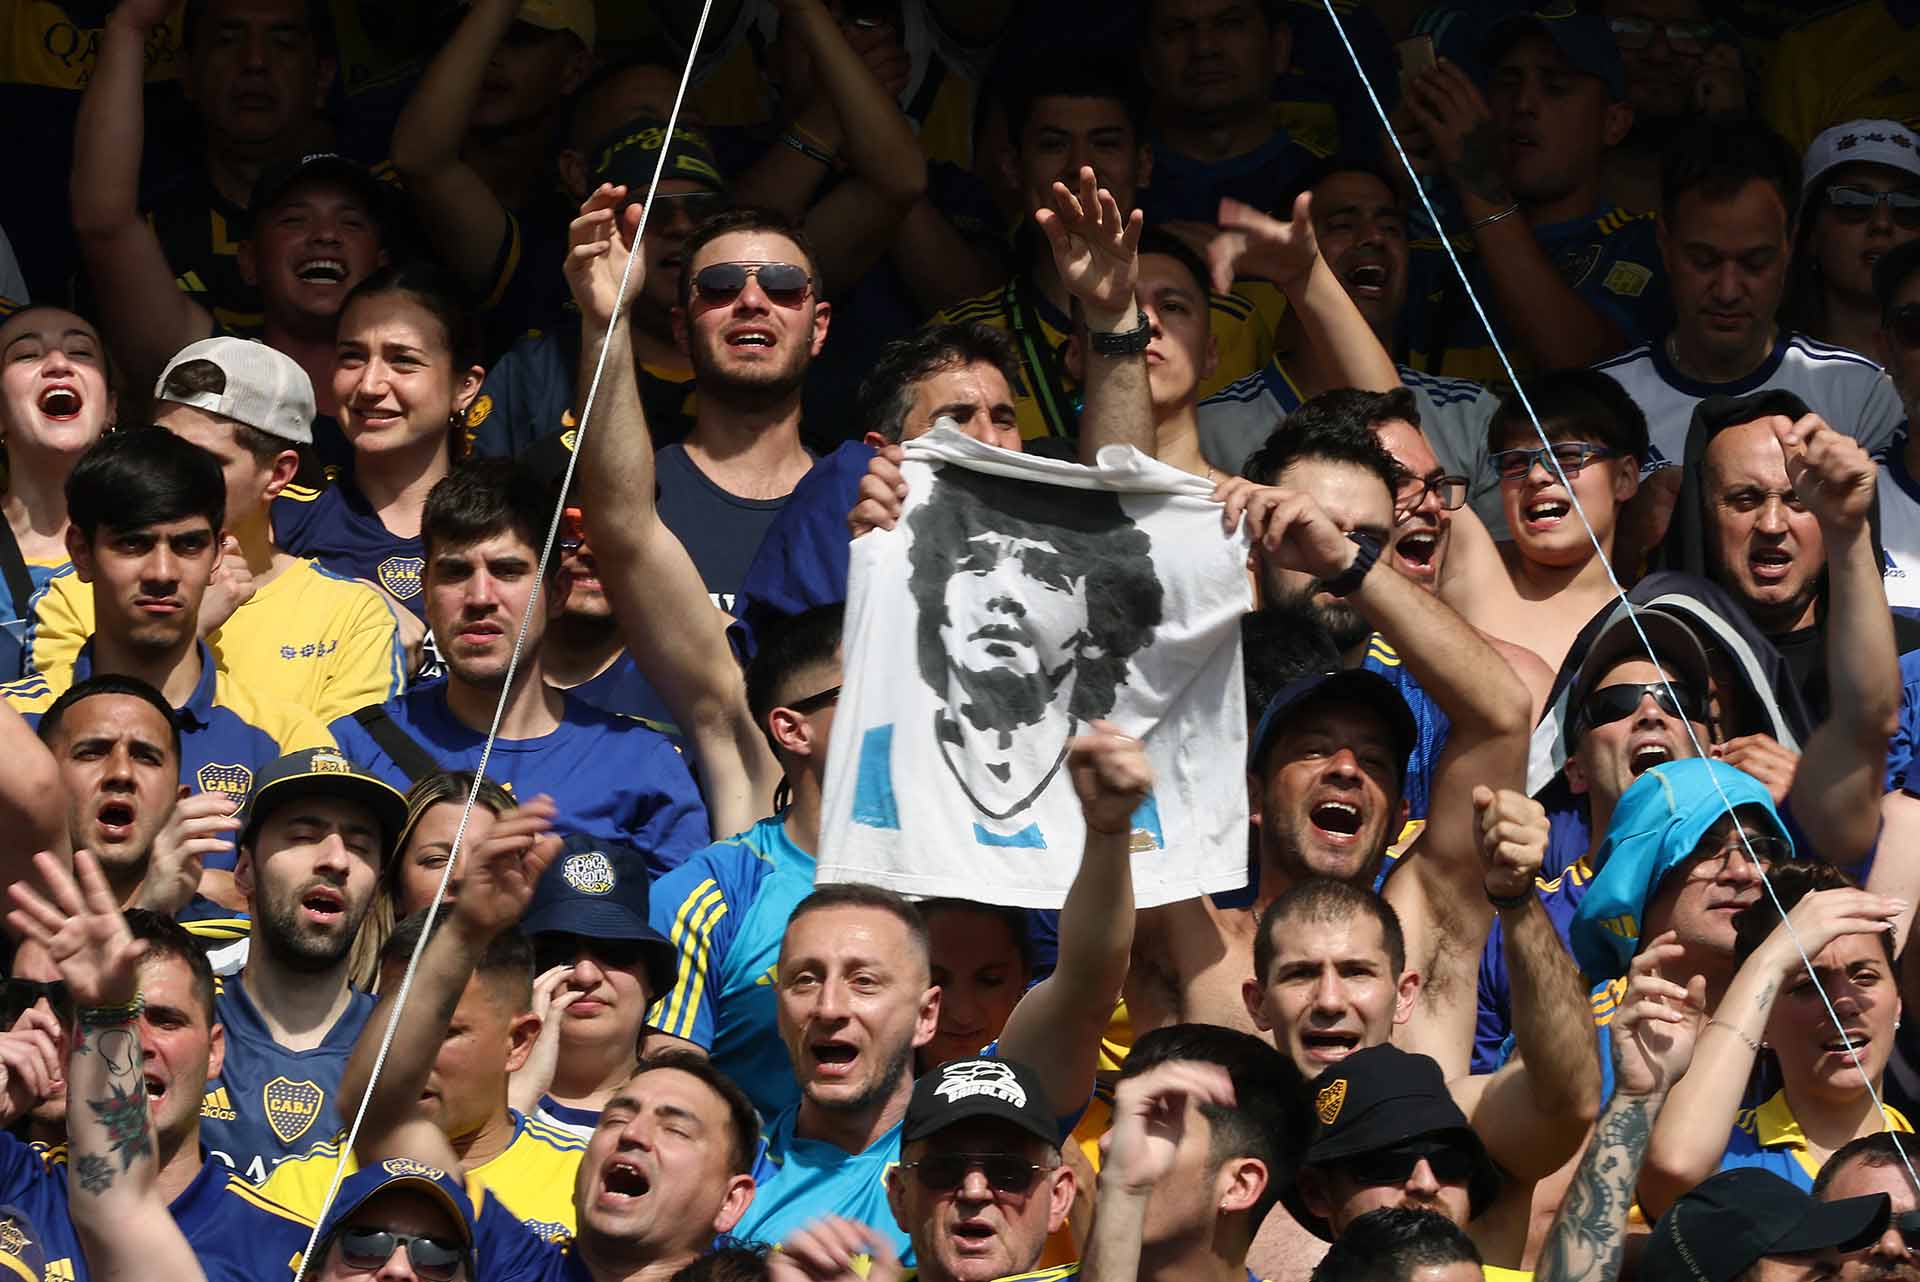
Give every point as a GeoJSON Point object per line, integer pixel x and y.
{"type": "Point", "coordinates": [1574, 934]}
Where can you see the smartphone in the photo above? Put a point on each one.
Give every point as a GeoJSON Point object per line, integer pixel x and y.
{"type": "Point", "coordinates": [1416, 57]}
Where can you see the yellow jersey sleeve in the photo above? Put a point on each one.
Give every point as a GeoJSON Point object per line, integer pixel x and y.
{"type": "Point", "coordinates": [62, 622]}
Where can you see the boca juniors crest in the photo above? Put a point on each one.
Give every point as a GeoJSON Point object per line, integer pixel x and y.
{"type": "Point", "coordinates": [401, 575]}
{"type": "Point", "coordinates": [229, 779]}
{"type": "Point", "coordinates": [292, 1107]}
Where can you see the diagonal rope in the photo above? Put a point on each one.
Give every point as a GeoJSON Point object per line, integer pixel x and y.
{"type": "Point", "coordinates": [513, 660]}
{"type": "Point", "coordinates": [1633, 611]}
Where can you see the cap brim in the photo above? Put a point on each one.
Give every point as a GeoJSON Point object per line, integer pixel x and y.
{"type": "Point", "coordinates": [1674, 642]}
{"type": "Point", "coordinates": [388, 806]}
{"type": "Point", "coordinates": [591, 919]}
{"type": "Point", "coordinates": [344, 1211]}
{"type": "Point", "coordinates": [978, 1106]}
{"type": "Point", "coordinates": [1357, 685]}
{"type": "Point", "coordinates": [1846, 1224]}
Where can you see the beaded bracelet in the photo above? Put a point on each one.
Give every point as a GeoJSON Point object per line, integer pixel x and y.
{"type": "Point", "coordinates": [110, 1016]}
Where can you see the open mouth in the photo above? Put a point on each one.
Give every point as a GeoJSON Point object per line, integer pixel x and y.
{"type": "Point", "coordinates": [1336, 818]}
{"type": "Point", "coordinates": [624, 1180]}
{"type": "Point", "coordinates": [1838, 1045]}
{"type": "Point", "coordinates": [1545, 513]}
{"type": "Point", "coordinates": [322, 271]}
{"type": "Point", "coordinates": [834, 1058]}
{"type": "Point", "coordinates": [60, 403]}
{"type": "Point", "coordinates": [750, 338]}
{"type": "Point", "coordinates": [156, 1086]}
{"type": "Point", "coordinates": [974, 1234]}
{"type": "Point", "coordinates": [1647, 756]}
{"type": "Point", "coordinates": [1369, 279]}
{"type": "Point", "coordinates": [1417, 548]}
{"type": "Point", "coordinates": [115, 820]}
{"type": "Point", "coordinates": [1326, 1045]}
{"type": "Point", "coordinates": [1770, 564]}
{"type": "Point", "coordinates": [324, 904]}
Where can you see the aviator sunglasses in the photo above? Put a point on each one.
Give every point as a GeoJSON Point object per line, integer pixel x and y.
{"type": "Point", "coordinates": [433, 1258]}
{"type": "Point", "coordinates": [784, 284]}
{"type": "Point", "coordinates": [944, 1172]}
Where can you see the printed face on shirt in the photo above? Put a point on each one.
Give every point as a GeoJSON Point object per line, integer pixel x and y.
{"type": "Point", "coordinates": [1330, 989]}
{"type": "Point", "coordinates": [181, 1046]}
{"type": "Point", "coordinates": [148, 582]}
{"type": "Point", "coordinates": [1362, 230]}
{"type": "Point", "coordinates": [477, 594]}
{"type": "Point", "coordinates": [1609, 755]}
{"type": "Point", "coordinates": [55, 398]}
{"type": "Point", "coordinates": [310, 873]}
{"type": "Point", "coordinates": [1207, 60]}
{"type": "Point", "coordinates": [1356, 499]}
{"type": "Point", "coordinates": [120, 774]}
{"type": "Point", "coordinates": [1326, 799]}
{"type": "Point", "coordinates": [1063, 135]}
{"type": "Point", "coordinates": [751, 351]}
{"type": "Point", "coordinates": [1016, 619]}
{"type": "Point", "coordinates": [1766, 547]}
{"type": "Point", "coordinates": [977, 968]}
{"type": "Point", "coordinates": [976, 1232]}
{"type": "Point", "coordinates": [255, 72]}
{"type": "Point", "coordinates": [396, 377]}
{"type": "Point", "coordinates": [1181, 351]}
{"type": "Point", "coordinates": [1856, 975]}
{"type": "Point", "coordinates": [310, 248]}
{"type": "Point", "coordinates": [1423, 530]}
{"type": "Point", "coordinates": [1887, 1259]}
{"type": "Point", "coordinates": [658, 1169]}
{"type": "Point", "coordinates": [401, 1210]}
{"type": "Point", "coordinates": [854, 1002]}
{"type": "Point", "coordinates": [1726, 261]}
{"type": "Point", "coordinates": [975, 396]}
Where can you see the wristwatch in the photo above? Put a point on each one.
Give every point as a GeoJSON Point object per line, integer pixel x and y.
{"type": "Point", "coordinates": [1348, 580]}
{"type": "Point", "coordinates": [1126, 342]}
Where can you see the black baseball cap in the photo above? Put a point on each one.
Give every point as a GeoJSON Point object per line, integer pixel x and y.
{"type": "Point", "coordinates": [628, 155]}
{"type": "Point", "coordinates": [1728, 1221]}
{"type": "Point", "coordinates": [598, 890]}
{"type": "Point", "coordinates": [1583, 39]}
{"type": "Point", "coordinates": [1341, 685]}
{"type": "Point", "coordinates": [276, 180]}
{"type": "Point", "coordinates": [323, 772]}
{"type": "Point", "coordinates": [1379, 1098]}
{"type": "Point", "coordinates": [984, 1086]}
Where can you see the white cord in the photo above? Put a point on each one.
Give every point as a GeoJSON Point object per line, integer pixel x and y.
{"type": "Point", "coordinates": [1633, 612]}
{"type": "Point", "coordinates": [513, 660]}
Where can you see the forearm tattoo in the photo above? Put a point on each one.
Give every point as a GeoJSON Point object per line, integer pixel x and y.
{"type": "Point", "coordinates": [1589, 1234]}
{"type": "Point", "coordinates": [124, 1114]}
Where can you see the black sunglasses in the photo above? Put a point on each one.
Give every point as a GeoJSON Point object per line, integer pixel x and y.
{"type": "Point", "coordinates": [944, 1172]}
{"type": "Point", "coordinates": [814, 702]}
{"type": "Point", "coordinates": [1395, 1165]}
{"type": "Point", "coordinates": [433, 1258]}
{"type": "Point", "coordinates": [784, 284]}
{"type": "Point", "coordinates": [550, 950]}
{"type": "Point", "coordinates": [1572, 456]}
{"type": "Point", "coordinates": [1856, 205]}
{"type": "Point", "coordinates": [1903, 323]}
{"type": "Point", "coordinates": [1908, 1222]}
{"type": "Point", "coordinates": [1682, 37]}
{"type": "Point", "coordinates": [19, 995]}
{"type": "Point", "coordinates": [1615, 702]}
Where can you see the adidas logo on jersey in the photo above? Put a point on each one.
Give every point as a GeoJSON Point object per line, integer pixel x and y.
{"type": "Point", "coordinates": [216, 1106]}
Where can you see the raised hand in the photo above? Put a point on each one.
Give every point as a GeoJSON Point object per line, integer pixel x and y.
{"type": "Point", "coordinates": [1292, 530]}
{"type": "Point", "coordinates": [1513, 839]}
{"type": "Point", "coordinates": [598, 242]}
{"type": "Point", "coordinates": [1111, 774]}
{"type": "Point", "coordinates": [1826, 915]}
{"type": "Point", "coordinates": [231, 587]}
{"type": "Point", "coordinates": [81, 930]}
{"type": "Point", "coordinates": [883, 491]}
{"type": "Point", "coordinates": [1657, 1020]}
{"type": "Point", "coordinates": [531, 1080]}
{"type": "Point", "coordinates": [1450, 111]}
{"type": "Point", "coordinates": [200, 825]}
{"type": "Point", "coordinates": [501, 860]}
{"type": "Point", "coordinates": [1150, 1119]}
{"type": "Point", "coordinates": [1829, 470]}
{"type": "Point", "coordinates": [828, 1250]}
{"type": "Point", "coordinates": [32, 1061]}
{"type": "Point", "coordinates": [1095, 247]}
{"type": "Point", "coordinates": [1252, 244]}
{"type": "Point", "coordinates": [1765, 758]}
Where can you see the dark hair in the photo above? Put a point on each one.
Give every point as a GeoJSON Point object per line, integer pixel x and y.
{"type": "Point", "coordinates": [507, 964]}
{"type": "Point", "coordinates": [742, 1120]}
{"type": "Point", "coordinates": [1014, 919]}
{"type": "Point", "coordinates": [886, 393]}
{"type": "Point", "coordinates": [165, 937]}
{"type": "Point", "coordinates": [1093, 535]}
{"type": "Point", "coordinates": [441, 293]}
{"type": "Point", "coordinates": [1051, 73]}
{"type": "Point", "coordinates": [1392, 1243]}
{"type": "Point", "coordinates": [1718, 156]}
{"type": "Point", "coordinates": [582, 130]}
{"type": "Point", "coordinates": [1336, 427]}
{"type": "Point", "coordinates": [144, 476]}
{"type": "Point", "coordinates": [1322, 899]}
{"type": "Point", "coordinates": [1895, 268]}
{"type": "Point", "coordinates": [109, 683]}
{"type": "Point", "coordinates": [1154, 240]}
{"type": "Point", "coordinates": [788, 646]}
{"type": "Point", "coordinates": [483, 497]}
{"type": "Point", "coordinates": [1264, 1122]}
{"type": "Point", "coordinates": [1281, 642]}
{"type": "Point", "coordinates": [747, 218]}
{"type": "Point", "coordinates": [319, 25]}
{"type": "Point", "coordinates": [734, 1262]}
{"type": "Point", "coordinates": [1791, 883]}
{"type": "Point", "coordinates": [1886, 1148]}
{"type": "Point", "coordinates": [197, 377]}
{"type": "Point", "coordinates": [858, 894]}
{"type": "Point", "coordinates": [1573, 404]}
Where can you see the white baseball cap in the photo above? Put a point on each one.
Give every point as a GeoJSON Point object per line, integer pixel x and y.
{"type": "Point", "coordinates": [265, 389]}
{"type": "Point", "coordinates": [1872, 142]}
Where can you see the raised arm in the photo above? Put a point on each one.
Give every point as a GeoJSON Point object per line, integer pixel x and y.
{"type": "Point", "coordinates": [469, 222]}
{"type": "Point", "coordinates": [500, 864]}
{"type": "Point", "coordinates": [33, 801]}
{"type": "Point", "coordinates": [1837, 788]}
{"type": "Point", "coordinates": [1058, 1023]}
{"type": "Point", "coordinates": [122, 1222]}
{"type": "Point", "coordinates": [142, 312]}
{"type": "Point", "coordinates": [677, 636]}
{"type": "Point", "coordinates": [1653, 1038]}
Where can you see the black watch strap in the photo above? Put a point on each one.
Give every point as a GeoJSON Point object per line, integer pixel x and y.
{"type": "Point", "coordinates": [1348, 580]}
{"type": "Point", "coordinates": [1126, 342]}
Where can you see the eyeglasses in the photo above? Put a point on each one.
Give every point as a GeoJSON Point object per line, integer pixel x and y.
{"type": "Point", "coordinates": [1396, 1165]}
{"type": "Point", "coordinates": [433, 1258]}
{"type": "Point", "coordinates": [814, 702]}
{"type": "Point", "coordinates": [1617, 702]}
{"type": "Point", "coordinates": [944, 1172]}
{"type": "Point", "coordinates": [573, 531]}
{"type": "Point", "coordinates": [1903, 323]}
{"type": "Point", "coordinates": [1572, 456]}
{"type": "Point", "coordinates": [1856, 205]}
{"type": "Point", "coordinates": [1767, 849]}
{"type": "Point", "coordinates": [1413, 491]}
{"type": "Point", "coordinates": [784, 284]}
{"type": "Point", "coordinates": [555, 948]}
{"type": "Point", "coordinates": [1682, 37]}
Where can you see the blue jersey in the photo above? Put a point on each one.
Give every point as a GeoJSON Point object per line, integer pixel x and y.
{"type": "Point", "coordinates": [337, 528]}
{"type": "Point", "coordinates": [1430, 721]}
{"type": "Point", "coordinates": [239, 1235]}
{"type": "Point", "coordinates": [612, 778]}
{"type": "Point", "coordinates": [623, 691]}
{"type": "Point", "coordinates": [799, 1180]}
{"type": "Point", "coordinates": [270, 1102]}
{"type": "Point", "coordinates": [529, 395]}
{"type": "Point", "coordinates": [802, 560]}
{"type": "Point", "coordinates": [726, 909]}
{"type": "Point", "coordinates": [1770, 1138]}
{"type": "Point", "coordinates": [1268, 178]}
{"type": "Point", "coordinates": [228, 732]}
{"type": "Point", "coordinates": [720, 530]}
{"type": "Point", "coordinates": [1493, 1023]}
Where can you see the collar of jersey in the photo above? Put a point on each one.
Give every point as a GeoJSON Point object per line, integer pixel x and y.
{"type": "Point", "coordinates": [199, 705]}
{"type": "Point", "coordinates": [1657, 350]}
{"type": "Point", "coordinates": [783, 1142]}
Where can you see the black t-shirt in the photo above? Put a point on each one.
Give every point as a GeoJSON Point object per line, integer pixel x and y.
{"type": "Point", "coordinates": [721, 531]}
{"type": "Point", "coordinates": [1805, 650]}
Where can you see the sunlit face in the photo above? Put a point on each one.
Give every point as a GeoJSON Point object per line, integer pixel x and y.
{"type": "Point", "coordinates": [424, 861]}
{"type": "Point", "coordinates": [1659, 76]}
{"type": "Point", "coordinates": [469, 1074]}
{"type": "Point", "coordinates": [1063, 135]}
{"type": "Point", "coordinates": [1699, 898]}
{"type": "Point", "coordinates": [54, 395]}
{"type": "Point", "coordinates": [1766, 546]}
{"type": "Point", "coordinates": [657, 1172]}
{"type": "Point", "coordinates": [181, 1047]}
{"type": "Point", "coordinates": [1016, 621]}
{"type": "Point", "coordinates": [311, 247]}
{"type": "Point", "coordinates": [1887, 1259]}
{"type": "Point", "coordinates": [1856, 975]}
{"type": "Point", "coordinates": [1207, 58]}
{"type": "Point", "coordinates": [1726, 263]}
{"type": "Point", "coordinates": [477, 595]}
{"type": "Point", "coordinates": [854, 1003]}
{"type": "Point", "coordinates": [752, 349]}
{"type": "Point", "coordinates": [148, 582]}
{"type": "Point", "coordinates": [395, 376]}
{"type": "Point", "coordinates": [976, 397]}
{"type": "Point", "coordinates": [611, 978]}
{"type": "Point", "coordinates": [310, 873]}
{"type": "Point", "coordinates": [400, 1210]}
{"type": "Point", "coordinates": [1327, 798]}
{"type": "Point", "coordinates": [1844, 250]}
{"type": "Point", "coordinates": [1356, 499]}
{"type": "Point", "coordinates": [1554, 122]}
{"type": "Point", "coordinates": [976, 1233]}
{"type": "Point", "coordinates": [1196, 1191]}
{"type": "Point", "coordinates": [1610, 755]}
{"type": "Point", "coordinates": [977, 968]}
{"type": "Point", "coordinates": [1362, 230]}
{"type": "Point", "coordinates": [1181, 351]}
{"type": "Point", "coordinates": [1422, 531]}
{"type": "Point", "coordinates": [120, 775]}
{"type": "Point", "coordinates": [256, 73]}
{"type": "Point", "coordinates": [249, 481]}
{"type": "Point", "coordinates": [1330, 990]}
{"type": "Point", "coordinates": [1547, 529]}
